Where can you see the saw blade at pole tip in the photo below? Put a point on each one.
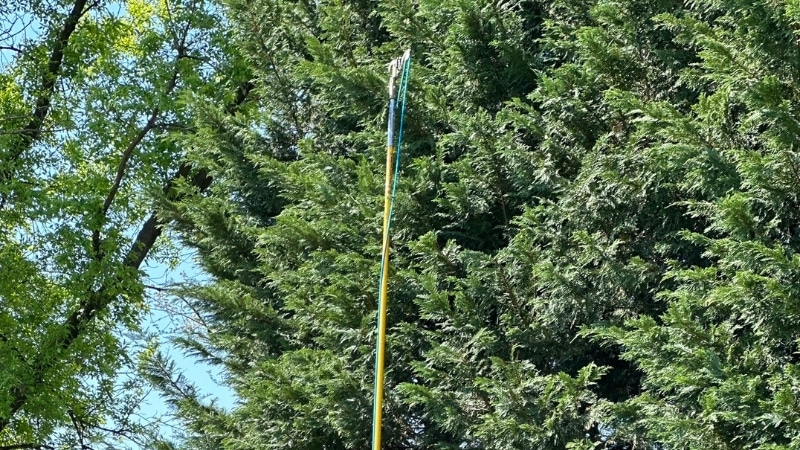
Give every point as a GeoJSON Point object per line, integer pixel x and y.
{"type": "Point", "coordinates": [395, 66]}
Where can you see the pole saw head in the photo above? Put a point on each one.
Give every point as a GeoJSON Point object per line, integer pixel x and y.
{"type": "Point", "coordinates": [395, 66]}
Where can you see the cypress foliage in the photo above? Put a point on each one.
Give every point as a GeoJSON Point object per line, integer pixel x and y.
{"type": "Point", "coordinates": [593, 243]}
{"type": "Point", "coordinates": [720, 363]}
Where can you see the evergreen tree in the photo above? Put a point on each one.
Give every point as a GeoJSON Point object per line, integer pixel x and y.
{"type": "Point", "coordinates": [720, 364]}
{"type": "Point", "coordinates": [593, 235]}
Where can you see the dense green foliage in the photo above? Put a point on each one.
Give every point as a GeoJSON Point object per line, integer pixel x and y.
{"type": "Point", "coordinates": [595, 232]}
{"type": "Point", "coordinates": [594, 242]}
{"type": "Point", "coordinates": [89, 92]}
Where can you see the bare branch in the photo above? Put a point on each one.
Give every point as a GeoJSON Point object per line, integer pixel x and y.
{"type": "Point", "coordinates": [9, 35]}
{"type": "Point", "coordinates": [155, 288]}
{"type": "Point", "coordinates": [198, 316]}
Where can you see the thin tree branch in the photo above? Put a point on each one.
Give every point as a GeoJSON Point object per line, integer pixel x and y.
{"type": "Point", "coordinates": [32, 131]}
{"type": "Point", "coordinates": [8, 34]}
{"type": "Point", "coordinates": [78, 427]}
{"type": "Point", "coordinates": [155, 288]}
{"type": "Point", "coordinates": [198, 316]}
{"type": "Point", "coordinates": [48, 83]}
{"type": "Point", "coordinates": [125, 158]}
{"type": "Point", "coordinates": [126, 155]}
{"type": "Point", "coordinates": [26, 446]}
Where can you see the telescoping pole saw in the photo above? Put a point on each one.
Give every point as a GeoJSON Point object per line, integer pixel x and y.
{"type": "Point", "coordinates": [398, 68]}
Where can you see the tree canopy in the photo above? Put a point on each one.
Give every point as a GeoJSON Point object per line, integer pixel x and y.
{"type": "Point", "coordinates": [89, 95]}
{"type": "Point", "coordinates": [593, 244]}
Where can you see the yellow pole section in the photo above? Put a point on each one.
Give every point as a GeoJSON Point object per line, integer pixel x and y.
{"type": "Point", "coordinates": [384, 295]}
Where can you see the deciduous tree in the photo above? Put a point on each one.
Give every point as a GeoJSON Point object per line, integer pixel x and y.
{"type": "Point", "coordinates": [88, 94]}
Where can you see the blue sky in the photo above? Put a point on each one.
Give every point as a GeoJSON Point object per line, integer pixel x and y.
{"type": "Point", "coordinates": [166, 324]}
